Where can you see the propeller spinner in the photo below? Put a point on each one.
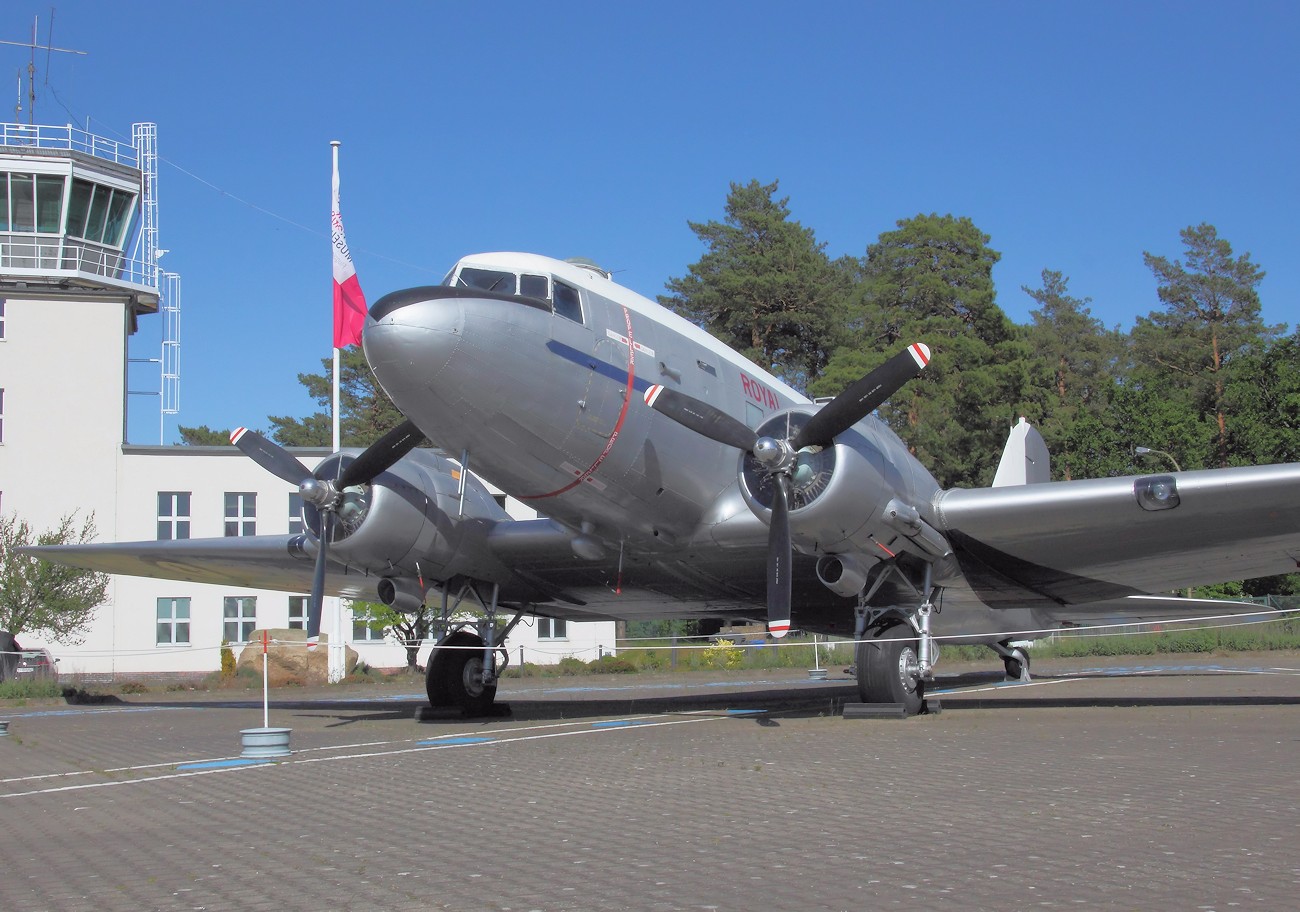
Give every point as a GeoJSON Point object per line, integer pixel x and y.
{"type": "Point", "coordinates": [326, 494]}
{"type": "Point", "coordinates": [778, 457]}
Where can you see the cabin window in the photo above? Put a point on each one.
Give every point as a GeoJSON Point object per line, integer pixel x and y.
{"type": "Point", "coordinates": [567, 303]}
{"type": "Point", "coordinates": [488, 280]}
{"type": "Point", "coordinates": [534, 286]}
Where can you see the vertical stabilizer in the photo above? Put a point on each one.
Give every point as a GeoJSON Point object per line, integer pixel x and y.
{"type": "Point", "coordinates": [1025, 459]}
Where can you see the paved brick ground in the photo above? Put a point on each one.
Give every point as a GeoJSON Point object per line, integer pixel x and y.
{"type": "Point", "coordinates": [1140, 785]}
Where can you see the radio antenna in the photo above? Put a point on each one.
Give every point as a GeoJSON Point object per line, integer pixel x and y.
{"type": "Point", "coordinates": [31, 68]}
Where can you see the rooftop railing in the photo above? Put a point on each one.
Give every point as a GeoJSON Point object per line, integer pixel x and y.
{"type": "Point", "coordinates": [69, 138]}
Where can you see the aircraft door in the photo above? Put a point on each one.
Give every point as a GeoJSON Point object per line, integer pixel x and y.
{"type": "Point", "coordinates": [606, 386]}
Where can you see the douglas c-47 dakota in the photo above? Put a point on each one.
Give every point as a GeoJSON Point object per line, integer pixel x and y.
{"type": "Point", "coordinates": [676, 479]}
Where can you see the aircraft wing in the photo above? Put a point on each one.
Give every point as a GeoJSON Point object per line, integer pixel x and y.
{"type": "Point", "coordinates": [1099, 541]}
{"type": "Point", "coordinates": [281, 562]}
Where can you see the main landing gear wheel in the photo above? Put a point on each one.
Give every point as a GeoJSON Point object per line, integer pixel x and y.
{"type": "Point", "coordinates": [1017, 665]}
{"type": "Point", "coordinates": [889, 669]}
{"type": "Point", "coordinates": [455, 676]}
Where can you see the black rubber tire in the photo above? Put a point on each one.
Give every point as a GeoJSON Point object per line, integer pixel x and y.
{"type": "Point", "coordinates": [450, 679]}
{"type": "Point", "coordinates": [1016, 664]}
{"type": "Point", "coordinates": [882, 661]}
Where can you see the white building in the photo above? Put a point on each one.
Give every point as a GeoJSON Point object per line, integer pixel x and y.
{"type": "Point", "coordinates": [78, 270]}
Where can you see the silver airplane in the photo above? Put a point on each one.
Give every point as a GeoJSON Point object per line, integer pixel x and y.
{"type": "Point", "coordinates": [676, 479]}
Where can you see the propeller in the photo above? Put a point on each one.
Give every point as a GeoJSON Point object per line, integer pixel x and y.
{"type": "Point", "coordinates": [779, 457]}
{"type": "Point", "coordinates": [326, 494]}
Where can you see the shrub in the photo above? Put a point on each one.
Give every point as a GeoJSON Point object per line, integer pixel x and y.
{"type": "Point", "coordinates": [227, 660]}
{"type": "Point", "coordinates": [132, 687]}
{"type": "Point", "coordinates": [612, 665]}
{"type": "Point", "coordinates": [723, 654]}
{"type": "Point", "coordinates": [571, 666]}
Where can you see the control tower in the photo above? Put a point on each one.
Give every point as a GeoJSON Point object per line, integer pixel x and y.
{"type": "Point", "coordinates": [78, 268]}
{"type": "Point", "coordinates": [79, 223]}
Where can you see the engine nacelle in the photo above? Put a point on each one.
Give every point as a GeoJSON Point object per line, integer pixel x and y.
{"type": "Point", "coordinates": [849, 499]}
{"type": "Point", "coordinates": [408, 522]}
{"type": "Point", "coordinates": [836, 493]}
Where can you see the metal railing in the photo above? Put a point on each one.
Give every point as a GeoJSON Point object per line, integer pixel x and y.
{"type": "Point", "coordinates": [28, 255]}
{"type": "Point", "coordinates": [67, 137]}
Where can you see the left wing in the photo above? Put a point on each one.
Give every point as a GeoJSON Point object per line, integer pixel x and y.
{"type": "Point", "coordinates": [1080, 542]}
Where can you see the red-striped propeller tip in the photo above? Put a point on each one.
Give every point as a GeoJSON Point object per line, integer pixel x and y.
{"type": "Point", "coordinates": [778, 629]}
{"type": "Point", "coordinates": [653, 393]}
{"type": "Point", "coordinates": [236, 434]}
{"type": "Point", "coordinates": [920, 353]}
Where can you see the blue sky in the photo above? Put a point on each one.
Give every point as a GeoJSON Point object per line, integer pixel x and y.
{"type": "Point", "coordinates": [1077, 135]}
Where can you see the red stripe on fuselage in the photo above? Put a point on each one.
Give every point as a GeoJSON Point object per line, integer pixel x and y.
{"type": "Point", "coordinates": [618, 426]}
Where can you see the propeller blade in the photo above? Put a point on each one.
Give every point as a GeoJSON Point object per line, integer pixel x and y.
{"type": "Point", "coordinates": [780, 557]}
{"type": "Point", "coordinates": [318, 579]}
{"type": "Point", "coordinates": [381, 454]}
{"type": "Point", "coordinates": [270, 456]}
{"type": "Point", "coordinates": [701, 417]}
{"type": "Point", "coordinates": [862, 398]}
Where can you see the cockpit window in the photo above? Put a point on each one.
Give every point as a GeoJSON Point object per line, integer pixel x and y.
{"type": "Point", "coordinates": [487, 280]}
{"type": "Point", "coordinates": [567, 303]}
{"type": "Point", "coordinates": [534, 286]}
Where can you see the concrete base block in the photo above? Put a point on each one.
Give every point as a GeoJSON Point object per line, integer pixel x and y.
{"type": "Point", "coordinates": [875, 711]}
{"type": "Point", "coordinates": [265, 742]}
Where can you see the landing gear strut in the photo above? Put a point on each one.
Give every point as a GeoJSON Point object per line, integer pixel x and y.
{"type": "Point", "coordinates": [1014, 659]}
{"type": "Point", "coordinates": [464, 667]}
{"type": "Point", "coordinates": [895, 656]}
{"type": "Point", "coordinates": [889, 669]}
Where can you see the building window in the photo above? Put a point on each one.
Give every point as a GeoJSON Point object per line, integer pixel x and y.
{"type": "Point", "coordinates": [552, 629]}
{"type": "Point", "coordinates": [297, 612]}
{"type": "Point", "coordinates": [364, 627]}
{"type": "Point", "coordinates": [240, 618]}
{"type": "Point", "coordinates": [241, 513]}
{"type": "Point", "coordinates": [2, 318]}
{"type": "Point", "coordinates": [173, 622]}
{"type": "Point", "coordinates": [173, 515]}
{"type": "Point", "coordinates": [295, 513]}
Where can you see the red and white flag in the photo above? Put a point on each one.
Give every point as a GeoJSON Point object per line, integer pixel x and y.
{"type": "Point", "coordinates": [349, 301]}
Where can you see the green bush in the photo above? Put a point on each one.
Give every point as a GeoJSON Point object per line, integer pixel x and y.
{"type": "Point", "coordinates": [132, 687]}
{"type": "Point", "coordinates": [612, 665]}
{"type": "Point", "coordinates": [571, 666]}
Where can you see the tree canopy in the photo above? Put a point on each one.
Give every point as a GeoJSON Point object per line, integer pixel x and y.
{"type": "Point", "coordinates": [39, 597]}
{"type": "Point", "coordinates": [764, 286]}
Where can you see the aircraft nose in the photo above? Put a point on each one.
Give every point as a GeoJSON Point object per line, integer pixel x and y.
{"type": "Point", "coordinates": [410, 337]}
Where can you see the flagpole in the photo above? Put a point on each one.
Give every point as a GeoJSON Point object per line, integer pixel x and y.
{"type": "Point", "coordinates": [336, 654]}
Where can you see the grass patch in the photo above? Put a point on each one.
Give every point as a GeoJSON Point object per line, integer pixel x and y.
{"type": "Point", "coordinates": [30, 690]}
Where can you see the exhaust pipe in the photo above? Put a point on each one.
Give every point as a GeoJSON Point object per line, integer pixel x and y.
{"type": "Point", "coordinates": [400, 594]}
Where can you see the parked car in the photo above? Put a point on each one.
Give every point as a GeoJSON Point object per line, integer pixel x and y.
{"type": "Point", "coordinates": [36, 664]}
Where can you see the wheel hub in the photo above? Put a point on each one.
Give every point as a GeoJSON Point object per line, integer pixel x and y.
{"type": "Point", "coordinates": [909, 669]}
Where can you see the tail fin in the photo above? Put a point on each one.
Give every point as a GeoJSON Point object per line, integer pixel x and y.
{"type": "Point", "coordinates": [1025, 459]}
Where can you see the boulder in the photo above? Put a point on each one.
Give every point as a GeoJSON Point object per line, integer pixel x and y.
{"type": "Point", "coordinates": [288, 660]}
